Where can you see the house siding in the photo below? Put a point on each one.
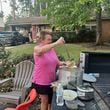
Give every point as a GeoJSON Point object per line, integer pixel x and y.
{"type": "Point", "coordinates": [106, 30]}
{"type": "Point", "coordinates": [1, 29]}
{"type": "Point", "coordinates": [1, 24]}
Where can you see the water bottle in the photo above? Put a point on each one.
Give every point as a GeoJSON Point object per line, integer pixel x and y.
{"type": "Point", "coordinates": [59, 95]}
{"type": "Point", "coordinates": [79, 74]}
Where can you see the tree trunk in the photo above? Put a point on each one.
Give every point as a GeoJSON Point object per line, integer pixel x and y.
{"type": "Point", "coordinates": [13, 5]}
{"type": "Point", "coordinates": [30, 14]}
{"type": "Point", "coordinates": [99, 26]}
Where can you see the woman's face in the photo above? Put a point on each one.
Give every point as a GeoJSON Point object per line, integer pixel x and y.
{"type": "Point", "coordinates": [47, 39]}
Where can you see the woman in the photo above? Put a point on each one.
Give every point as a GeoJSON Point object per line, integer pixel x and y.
{"type": "Point", "coordinates": [44, 69]}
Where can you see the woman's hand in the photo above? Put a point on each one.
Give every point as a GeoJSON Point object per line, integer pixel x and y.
{"type": "Point", "coordinates": [69, 63]}
{"type": "Point", "coordinates": [60, 41]}
{"type": "Point", "coordinates": [66, 63]}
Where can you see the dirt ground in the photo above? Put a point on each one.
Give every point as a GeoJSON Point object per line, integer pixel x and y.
{"type": "Point", "coordinates": [105, 46]}
{"type": "Point", "coordinates": [33, 106]}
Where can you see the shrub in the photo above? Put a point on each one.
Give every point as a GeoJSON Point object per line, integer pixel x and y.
{"type": "Point", "coordinates": [84, 35]}
{"type": "Point", "coordinates": [22, 58]}
{"type": "Point", "coordinates": [6, 65]}
{"type": "Point", "coordinates": [69, 37]}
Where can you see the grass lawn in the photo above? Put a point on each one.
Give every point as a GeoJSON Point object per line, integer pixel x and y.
{"type": "Point", "coordinates": [19, 50]}
{"type": "Point", "coordinates": [74, 50]}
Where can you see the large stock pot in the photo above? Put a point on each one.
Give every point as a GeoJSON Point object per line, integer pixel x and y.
{"type": "Point", "coordinates": [85, 92]}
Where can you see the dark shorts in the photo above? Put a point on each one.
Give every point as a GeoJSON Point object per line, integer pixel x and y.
{"type": "Point", "coordinates": [44, 90]}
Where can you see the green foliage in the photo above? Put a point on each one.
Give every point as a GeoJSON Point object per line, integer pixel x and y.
{"type": "Point", "coordinates": [69, 37]}
{"type": "Point", "coordinates": [23, 57]}
{"type": "Point", "coordinates": [27, 8]}
{"type": "Point", "coordinates": [70, 13]}
{"type": "Point", "coordinates": [35, 11]}
{"type": "Point", "coordinates": [24, 6]}
{"type": "Point", "coordinates": [84, 35]}
{"type": "Point", "coordinates": [107, 7]}
{"type": "Point", "coordinates": [73, 13]}
{"type": "Point", "coordinates": [6, 65]}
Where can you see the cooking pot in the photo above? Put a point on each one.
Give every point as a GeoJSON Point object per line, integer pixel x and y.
{"type": "Point", "coordinates": [85, 92]}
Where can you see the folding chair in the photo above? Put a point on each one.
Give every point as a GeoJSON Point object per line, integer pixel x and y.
{"type": "Point", "coordinates": [21, 83]}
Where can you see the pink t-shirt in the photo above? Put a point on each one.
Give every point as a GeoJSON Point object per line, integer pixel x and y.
{"type": "Point", "coordinates": [44, 68]}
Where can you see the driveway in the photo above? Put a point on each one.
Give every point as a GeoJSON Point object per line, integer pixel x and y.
{"type": "Point", "coordinates": [8, 47]}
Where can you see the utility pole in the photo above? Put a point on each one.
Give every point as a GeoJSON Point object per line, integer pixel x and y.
{"type": "Point", "coordinates": [1, 6]}
{"type": "Point", "coordinates": [40, 8]}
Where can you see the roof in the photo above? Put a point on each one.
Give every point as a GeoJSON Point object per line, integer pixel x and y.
{"type": "Point", "coordinates": [40, 20]}
{"type": "Point", "coordinates": [103, 19]}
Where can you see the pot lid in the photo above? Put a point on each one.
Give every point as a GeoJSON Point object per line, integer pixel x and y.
{"type": "Point", "coordinates": [85, 88]}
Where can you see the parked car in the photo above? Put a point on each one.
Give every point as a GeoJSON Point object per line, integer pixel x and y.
{"type": "Point", "coordinates": [12, 38]}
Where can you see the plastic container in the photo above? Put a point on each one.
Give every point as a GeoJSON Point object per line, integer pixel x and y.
{"type": "Point", "coordinates": [72, 105]}
{"type": "Point", "coordinates": [64, 75]}
{"type": "Point", "coordinates": [59, 95]}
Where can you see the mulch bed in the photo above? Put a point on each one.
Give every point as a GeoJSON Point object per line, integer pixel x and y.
{"type": "Point", "coordinates": [34, 106]}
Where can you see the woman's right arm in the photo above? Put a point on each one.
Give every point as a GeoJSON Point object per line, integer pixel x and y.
{"type": "Point", "coordinates": [45, 48]}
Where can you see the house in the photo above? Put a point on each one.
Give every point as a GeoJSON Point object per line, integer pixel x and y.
{"type": "Point", "coordinates": [1, 25]}
{"type": "Point", "coordinates": [105, 26]}
{"type": "Point", "coordinates": [27, 24]}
